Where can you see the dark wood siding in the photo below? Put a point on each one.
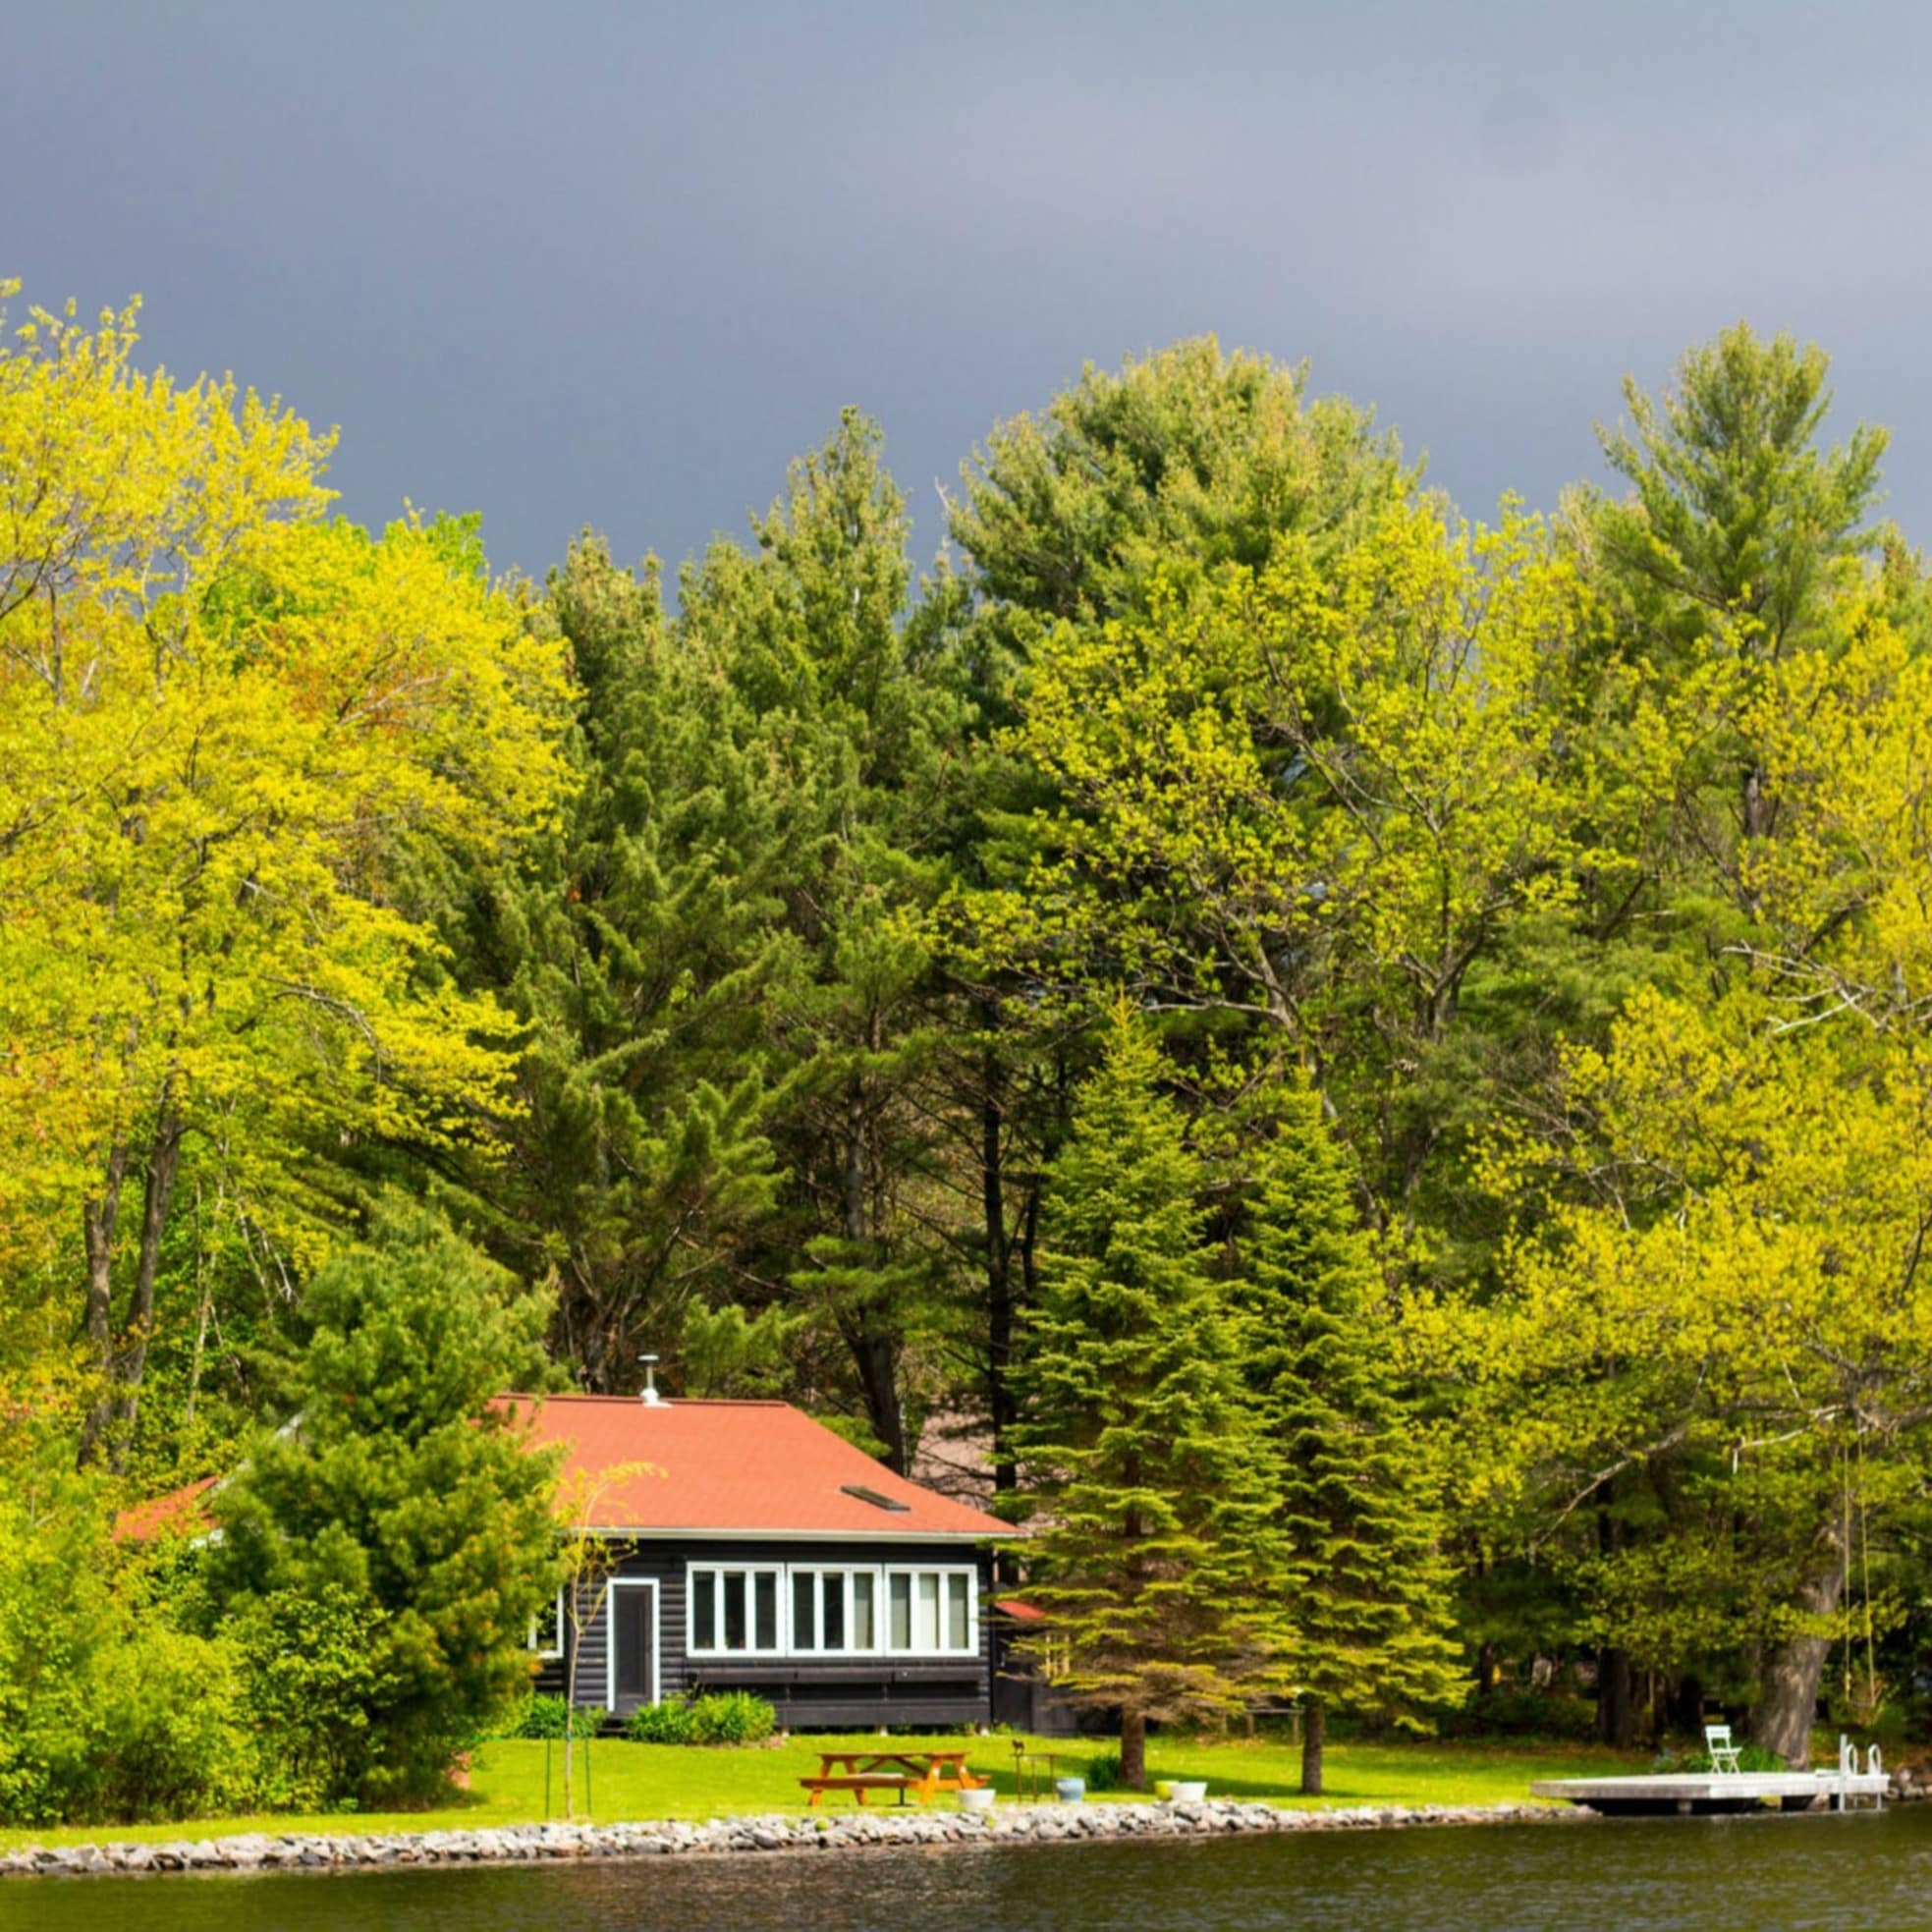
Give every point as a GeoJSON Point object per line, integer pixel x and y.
{"type": "Point", "coordinates": [837, 1693]}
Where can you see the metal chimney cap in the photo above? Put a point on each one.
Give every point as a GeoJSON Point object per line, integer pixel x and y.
{"type": "Point", "coordinates": [648, 1395]}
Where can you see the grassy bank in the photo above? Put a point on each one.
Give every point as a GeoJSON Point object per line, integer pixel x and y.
{"type": "Point", "coordinates": [665, 1781]}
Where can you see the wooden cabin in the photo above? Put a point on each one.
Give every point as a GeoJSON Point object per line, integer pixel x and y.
{"type": "Point", "coordinates": [749, 1547]}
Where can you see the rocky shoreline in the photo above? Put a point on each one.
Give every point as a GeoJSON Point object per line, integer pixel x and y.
{"type": "Point", "coordinates": [856, 1829]}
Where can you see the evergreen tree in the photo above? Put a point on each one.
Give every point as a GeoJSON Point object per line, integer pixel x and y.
{"type": "Point", "coordinates": [850, 732]}
{"type": "Point", "coordinates": [1359, 1500]}
{"type": "Point", "coordinates": [395, 1484]}
{"type": "Point", "coordinates": [639, 943]}
{"type": "Point", "coordinates": [1156, 1558]}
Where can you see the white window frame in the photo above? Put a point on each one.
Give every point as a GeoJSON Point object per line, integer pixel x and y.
{"type": "Point", "coordinates": [611, 1589]}
{"type": "Point", "coordinates": [550, 1656]}
{"type": "Point", "coordinates": [712, 1649]}
{"type": "Point", "coordinates": [881, 1574]}
{"type": "Point", "coordinates": [819, 1572]}
{"type": "Point", "coordinates": [943, 1571]}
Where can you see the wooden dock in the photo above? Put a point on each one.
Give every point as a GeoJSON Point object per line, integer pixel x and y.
{"type": "Point", "coordinates": [1712, 1793]}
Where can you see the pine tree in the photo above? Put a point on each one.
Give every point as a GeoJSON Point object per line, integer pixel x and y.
{"type": "Point", "coordinates": [1156, 1559]}
{"type": "Point", "coordinates": [395, 1487]}
{"type": "Point", "coordinates": [637, 941]}
{"type": "Point", "coordinates": [1360, 1502]}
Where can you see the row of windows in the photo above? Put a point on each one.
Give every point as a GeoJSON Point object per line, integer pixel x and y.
{"type": "Point", "coordinates": [812, 1610]}
{"type": "Point", "coordinates": [770, 1610]}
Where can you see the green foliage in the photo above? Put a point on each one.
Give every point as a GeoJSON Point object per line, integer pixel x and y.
{"type": "Point", "coordinates": [719, 1716]}
{"type": "Point", "coordinates": [665, 1722]}
{"type": "Point", "coordinates": [636, 943]}
{"type": "Point", "coordinates": [395, 1494]}
{"type": "Point", "coordinates": [1360, 1497]}
{"type": "Point", "coordinates": [1158, 1559]}
{"type": "Point", "coordinates": [1750, 1757]}
{"type": "Point", "coordinates": [731, 1717]}
{"type": "Point", "coordinates": [1739, 528]}
{"type": "Point", "coordinates": [109, 1711]}
{"type": "Point", "coordinates": [1529, 1180]}
{"type": "Point", "coordinates": [1514, 1712]}
{"type": "Point", "coordinates": [312, 1663]}
{"type": "Point", "coordinates": [546, 1715]}
{"type": "Point", "coordinates": [165, 1732]}
{"type": "Point", "coordinates": [1187, 451]}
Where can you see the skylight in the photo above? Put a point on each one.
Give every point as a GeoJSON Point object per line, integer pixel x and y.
{"type": "Point", "coordinates": [873, 1497]}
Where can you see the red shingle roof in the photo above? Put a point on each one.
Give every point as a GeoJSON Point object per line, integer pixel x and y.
{"type": "Point", "coordinates": [733, 1468]}
{"type": "Point", "coordinates": [756, 1468]}
{"type": "Point", "coordinates": [178, 1514]}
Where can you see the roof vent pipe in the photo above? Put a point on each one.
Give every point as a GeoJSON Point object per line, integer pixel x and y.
{"type": "Point", "coordinates": [648, 1395]}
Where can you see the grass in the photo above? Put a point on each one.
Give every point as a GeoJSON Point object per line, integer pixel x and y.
{"type": "Point", "coordinates": [672, 1781]}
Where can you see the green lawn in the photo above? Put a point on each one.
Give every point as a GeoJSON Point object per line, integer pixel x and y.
{"type": "Point", "coordinates": [668, 1781]}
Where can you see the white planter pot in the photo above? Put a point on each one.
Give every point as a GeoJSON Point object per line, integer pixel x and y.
{"type": "Point", "coordinates": [1188, 1791]}
{"type": "Point", "coordinates": [979, 1798]}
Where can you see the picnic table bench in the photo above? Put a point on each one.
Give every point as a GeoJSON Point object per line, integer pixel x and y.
{"type": "Point", "coordinates": [918, 1774]}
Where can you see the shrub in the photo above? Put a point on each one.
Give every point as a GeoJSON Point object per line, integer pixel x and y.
{"type": "Point", "coordinates": [166, 1731]}
{"type": "Point", "coordinates": [1750, 1757]}
{"type": "Point", "coordinates": [725, 1717]}
{"type": "Point", "coordinates": [313, 1680]}
{"type": "Point", "coordinates": [546, 1715]}
{"type": "Point", "coordinates": [109, 1712]}
{"type": "Point", "coordinates": [1103, 1773]}
{"type": "Point", "coordinates": [732, 1717]}
{"type": "Point", "coordinates": [668, 1723]}
{"type": "Point", "coordinates": [1523, 1713]}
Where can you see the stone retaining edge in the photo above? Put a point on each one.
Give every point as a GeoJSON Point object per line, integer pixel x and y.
{"type": "Point", "coordinates": [856, 1830]}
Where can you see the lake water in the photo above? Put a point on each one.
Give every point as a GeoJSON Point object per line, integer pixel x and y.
{"type": "Point", "coordinates": [1858, 1870]}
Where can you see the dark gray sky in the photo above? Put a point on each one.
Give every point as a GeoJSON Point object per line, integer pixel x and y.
{"type": "Point", "coordinates": [616, 263]}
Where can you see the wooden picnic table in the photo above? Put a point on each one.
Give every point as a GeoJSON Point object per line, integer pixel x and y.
{"type": "Point", "coordinates": [918, 1772]}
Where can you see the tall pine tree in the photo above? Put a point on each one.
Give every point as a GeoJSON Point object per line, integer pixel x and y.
{"type": "Point", "coordinates": [1360, 1502]}
{"type": "Point", "coordinates": [1157, 1560]}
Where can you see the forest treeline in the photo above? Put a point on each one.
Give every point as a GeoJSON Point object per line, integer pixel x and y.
{"type": "Point", "coordinates": [1480, 968]}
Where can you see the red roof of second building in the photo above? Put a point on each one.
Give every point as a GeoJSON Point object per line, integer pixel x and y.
{"type": "Point", "coordinates": [179, 1512]}
{"type": "Point", "coordinates": [760, 1469]}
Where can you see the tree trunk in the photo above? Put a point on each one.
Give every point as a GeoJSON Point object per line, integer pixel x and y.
{"type": "Point", "coordinates": [99, 1218]}
{"type": "Point", "coordinates": [1789, 1696]}
{"type": "Point", "coordinates": [873, 1334]}
{"type": "Point", "coordinates": [876, 1355]}
{"type": "Point", "coordinates": [1686, 1702]}
{"type": "Point", "coordinates": [1616, 1699]}
{"type": "Point", "coordinates": [1134, 1749]}
{"type": "Point", "coordinates": [1314, 1733]}
{"type": "Point", "coordinates": [1000, 1407]}
{"type": "Point", "coordinates": [131, 1357]}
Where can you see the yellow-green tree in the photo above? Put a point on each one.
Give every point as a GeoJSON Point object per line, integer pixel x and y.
{"type": "Point", "coordinates": [1314, 800]}
{"type": "Point", "coordinates": [1718, 1298]}
{"type": "Point", "coordinates": [228, 732]}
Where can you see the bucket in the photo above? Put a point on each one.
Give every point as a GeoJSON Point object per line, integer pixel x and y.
{"type": "Point", "coordinates": [1069, 1791]}
{"type": "Point", "coordinates": [977, 1798]}
{"type": "Point", "coordinates": [1188, 1791]}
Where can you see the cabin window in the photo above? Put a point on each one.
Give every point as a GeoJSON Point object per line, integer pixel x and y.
{"type": "Point", "coordinates": [933, 1612]}
{"type": "Point", "coordinates": [735, 1611]}
{"type": "Point", "coordinates": [547, 1628]}
{"type": "Point", "coordinates": [833, 1612]}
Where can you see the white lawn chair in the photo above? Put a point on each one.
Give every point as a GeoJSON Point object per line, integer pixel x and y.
{"type": "Point", "coordinates": [1717, 1741]}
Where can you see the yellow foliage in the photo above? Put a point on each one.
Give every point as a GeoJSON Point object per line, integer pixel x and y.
{"type": "Point", "coordinates": [225, 728]}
